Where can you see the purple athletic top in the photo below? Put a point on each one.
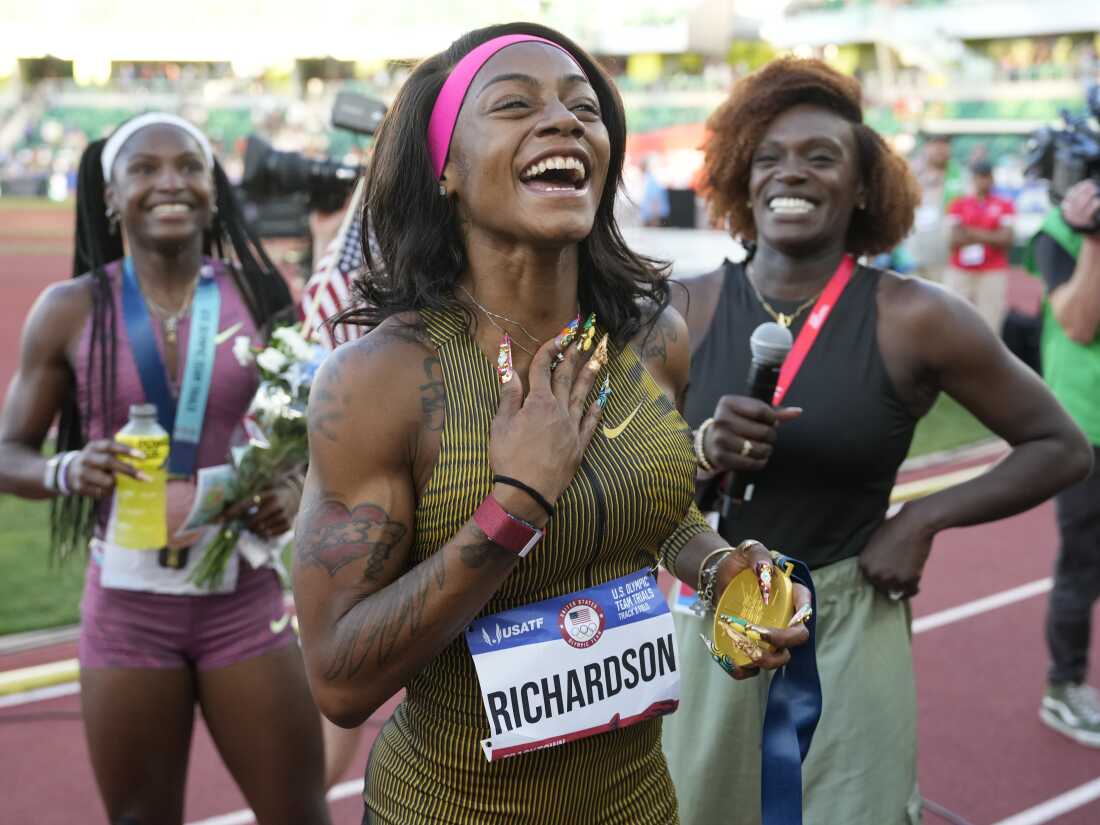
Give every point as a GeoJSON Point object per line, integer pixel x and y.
{"type": "Point", "coordinates": [231, 385]}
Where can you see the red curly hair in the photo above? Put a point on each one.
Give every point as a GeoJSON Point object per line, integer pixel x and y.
{"type": "Point", "coordinates": [737, 126]}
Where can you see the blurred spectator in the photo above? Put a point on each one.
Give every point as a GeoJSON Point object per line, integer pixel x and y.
{"type": "Point", "coordinates": [941, 181]}
{"type": "Point", "coordinates": [654, 205]}
{"type": "Point", "coordinates": [981, 236]}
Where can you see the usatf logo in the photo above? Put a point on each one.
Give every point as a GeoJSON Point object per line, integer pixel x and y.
{"type": "Point", "coordinates": [581, 623]}
{"type": "Point", "coordinates": [509, 630]}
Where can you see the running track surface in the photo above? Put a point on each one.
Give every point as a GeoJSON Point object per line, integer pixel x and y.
{"type": "Point", "coordinates": [983, 753]}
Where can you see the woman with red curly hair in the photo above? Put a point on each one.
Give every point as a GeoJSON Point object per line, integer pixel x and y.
{"type": "Point", "coordinates": [793, 171]}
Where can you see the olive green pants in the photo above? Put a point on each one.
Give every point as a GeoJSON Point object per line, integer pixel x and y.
{"type": "Point", "coordinates": [861, 769]}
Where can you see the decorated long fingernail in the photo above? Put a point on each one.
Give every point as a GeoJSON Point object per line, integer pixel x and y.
{"type": "Point", "coordinates": [138, 454]}
{"type": "Point", "coordinates": [802, 615]}
{"type": "Point", "coordinates": [587, 333]}
{"type": "Point", "coordinates": [720, 659]}
{"type": "Point", "coordinates": [739, 625]}
{"type": "Point", "coordinates": [557, 361]}
{"type": "Point", "coordinates": [144, 476]}
{"type": "Point", "coordinates": [739, 638]}
{"type": "Point", "coordinates": [764, 574]}
{"type": "Point", "coordinates": [599, 357]}
{"type": "Point", "coordinates": [605, 392]}
{"type": "Point", "coordinates": [568, 334]}
{"type": "Point", "coordinates": [504, 360]}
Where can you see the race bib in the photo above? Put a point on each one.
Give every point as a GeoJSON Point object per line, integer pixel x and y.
{"type": "Point", "coordinates": [575, 666]}
{"type": "Point", "coordinates": [972, 254]}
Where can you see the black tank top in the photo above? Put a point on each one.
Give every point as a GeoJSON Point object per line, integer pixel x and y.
{"type": "Point", "coordinates": [827, 485]}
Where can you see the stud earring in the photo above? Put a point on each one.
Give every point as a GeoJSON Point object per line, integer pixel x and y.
{"type": "Point", "coordinates": [112, 220]}
{"type": "Point", "coordinates": [442, 191]}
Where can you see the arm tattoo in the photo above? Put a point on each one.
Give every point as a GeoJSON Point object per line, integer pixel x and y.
{"type": "Point", "coordinates": [372, 630]}
{"type": "Point", "coordinates": [476, 555]}
{"type": "Point", "coordinates": [433, 395]}
{"type": "Point", "coordinates": [332, 536]}
{"type": "Point", "coordinates": [329, 399]}
{"type": "Point", "coordinates": [655, 345]}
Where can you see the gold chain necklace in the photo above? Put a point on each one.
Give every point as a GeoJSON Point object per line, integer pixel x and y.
{"type": "Point", "coordinates": [782, 318]}
{"type": "Point", "coordinates": [170, 321]}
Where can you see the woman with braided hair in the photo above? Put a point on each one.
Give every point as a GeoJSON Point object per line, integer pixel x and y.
{"type": "Point", "coordinates": [153, 206]}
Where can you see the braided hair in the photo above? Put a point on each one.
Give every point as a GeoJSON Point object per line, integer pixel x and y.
{"type": "Point", "coordinates": [98, 243]}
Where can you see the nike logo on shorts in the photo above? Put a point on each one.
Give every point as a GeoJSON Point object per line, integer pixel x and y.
{"type": "Point", "coordinates": [279, 625]}
{"type": "Point", "coordinates": [616, 431]}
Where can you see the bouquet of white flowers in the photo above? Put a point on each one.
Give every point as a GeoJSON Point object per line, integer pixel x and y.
{"type": "Point", "coordinates": [275, 426]}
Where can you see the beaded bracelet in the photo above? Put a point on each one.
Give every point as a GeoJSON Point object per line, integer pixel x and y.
{"type": "Point", "coordinates": [700, 453]}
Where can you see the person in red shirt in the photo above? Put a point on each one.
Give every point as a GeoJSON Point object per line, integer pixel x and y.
{"type": "Point", "coordinates": [980, 239]}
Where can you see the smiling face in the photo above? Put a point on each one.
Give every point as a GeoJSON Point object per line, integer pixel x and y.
{"type": "Point", "coordinates": [804, 183]}
{"type": "Point", "coordinates": [161, 188]}
{"type": "Point", "coordinates": [530, 153]}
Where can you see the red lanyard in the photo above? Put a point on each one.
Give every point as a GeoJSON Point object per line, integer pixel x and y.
{"type": "Point", "coordinates": [821, 311]}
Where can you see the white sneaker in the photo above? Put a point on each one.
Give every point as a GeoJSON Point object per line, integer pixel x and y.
{"type": "Point", "coordinates": [1074, 711]}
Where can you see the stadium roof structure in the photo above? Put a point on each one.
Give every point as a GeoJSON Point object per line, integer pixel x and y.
{"type": "Point", "coordinates": [273, 32]}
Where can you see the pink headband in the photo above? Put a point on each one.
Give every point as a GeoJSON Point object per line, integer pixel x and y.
{"type": "Point", "coordinates": [449, 103]}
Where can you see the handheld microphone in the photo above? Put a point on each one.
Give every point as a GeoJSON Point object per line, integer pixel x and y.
{"type": "Point", "coordinates": [770, 344]}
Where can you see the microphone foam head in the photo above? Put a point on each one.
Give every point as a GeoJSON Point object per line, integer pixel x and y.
{"type": "Point", "coordinates": [770, 344]}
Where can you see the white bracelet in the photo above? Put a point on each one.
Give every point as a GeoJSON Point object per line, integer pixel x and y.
{"type": "Point", "coordinates": [49, 478]}
{"type": "Point", "coordinates": [63, 472]}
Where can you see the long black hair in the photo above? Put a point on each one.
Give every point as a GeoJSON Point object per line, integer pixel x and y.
{"type": "Point", "coordinates": [420, 252]}
{"type": "Point", "coordinates": [98, 243]}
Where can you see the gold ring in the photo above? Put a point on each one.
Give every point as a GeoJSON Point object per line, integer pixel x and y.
{"type": "Point", "coordinates": [257, 499]}
{"type": "Point", "coordinates": [746, 448]}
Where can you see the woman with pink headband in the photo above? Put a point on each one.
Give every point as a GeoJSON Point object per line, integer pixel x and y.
{"type": "Point", "coordinates": [498, 466]}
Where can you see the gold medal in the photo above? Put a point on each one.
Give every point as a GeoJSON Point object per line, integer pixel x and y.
{"type": "Point", "coordinates": [741, 609]}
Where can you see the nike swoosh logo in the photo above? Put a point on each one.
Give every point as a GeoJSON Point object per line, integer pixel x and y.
{"type": "Point", "coordinates": [280, 625]}
{"type": "Point", "coordinates": [226, 334]}
{"type": "Point", "coordinates": [616, 431]}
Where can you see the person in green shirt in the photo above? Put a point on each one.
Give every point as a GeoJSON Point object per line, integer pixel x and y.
{"type": "Point", "coordinates": [1068, 260]}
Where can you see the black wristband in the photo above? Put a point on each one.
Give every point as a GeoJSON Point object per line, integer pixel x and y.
{"type": "Point", "coordinates": [531, 491]}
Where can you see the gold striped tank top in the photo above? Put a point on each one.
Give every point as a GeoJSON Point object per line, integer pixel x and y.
{"type": "Point", "coordinates": [633, 489]}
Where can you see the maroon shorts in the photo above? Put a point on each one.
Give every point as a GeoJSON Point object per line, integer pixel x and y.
{"type": "Point", "coordinates": [124, 628]}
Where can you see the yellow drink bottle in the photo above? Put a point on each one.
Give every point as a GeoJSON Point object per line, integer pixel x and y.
{"type": "Point", "coordinates": [139, 520]}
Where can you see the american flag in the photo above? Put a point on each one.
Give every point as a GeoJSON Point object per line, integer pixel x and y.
{"type": "Point", "coordinates": [580, 614]}
{"type": "Point", "coordinates": [328, 290]}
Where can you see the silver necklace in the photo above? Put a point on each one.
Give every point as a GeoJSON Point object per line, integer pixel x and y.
{"type": "Point", "coordinates": [492, 315]}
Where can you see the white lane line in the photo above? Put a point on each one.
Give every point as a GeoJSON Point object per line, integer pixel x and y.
{"type": "Point", "coordinates": [39, 694]}
{"type": "Point", "coordinates": [1046, 811]}
{"type": "Point", "coordinates": [353, 787]}
{"type": "Point", "coordinates": [978, 606]}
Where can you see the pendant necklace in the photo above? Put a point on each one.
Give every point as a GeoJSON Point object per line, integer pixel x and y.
{"type": "Point", "coordinates": [170, 321]}
{"type": "Point", "coordinates": [493, 315]}
{"type": "Point", "coordinates": [784, 319]}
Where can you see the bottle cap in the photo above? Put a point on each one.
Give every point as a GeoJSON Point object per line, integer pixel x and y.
{"type": "Point", "coordinates": [143, 411]}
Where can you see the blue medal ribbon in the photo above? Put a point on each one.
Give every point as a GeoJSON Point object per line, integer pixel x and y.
{"type": "Point", "coordinates": [183, 421]}
{"type": "Point", "coordinates": [793, 710]}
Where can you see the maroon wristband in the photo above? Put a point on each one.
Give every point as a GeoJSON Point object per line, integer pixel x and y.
{"type": "Point", "coordinates": [505, 530]}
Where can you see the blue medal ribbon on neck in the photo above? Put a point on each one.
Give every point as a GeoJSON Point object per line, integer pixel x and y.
{"type": "Point", "coordinates": [793, 710]}
{"type": "Point", "coordinates": [183, 419]}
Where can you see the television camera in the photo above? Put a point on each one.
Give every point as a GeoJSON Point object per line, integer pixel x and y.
{"type": "Point", "coordinates": [280, 189]}
{"type": "Point", "coordinates": [1069, 155]}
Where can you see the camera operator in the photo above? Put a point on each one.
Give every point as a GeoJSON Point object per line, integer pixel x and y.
{"type": "Point", "coordinates": [1066, 253]}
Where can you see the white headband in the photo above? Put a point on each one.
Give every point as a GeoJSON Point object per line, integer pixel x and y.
{"type": "Point", "coordinates": [124, 132]}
